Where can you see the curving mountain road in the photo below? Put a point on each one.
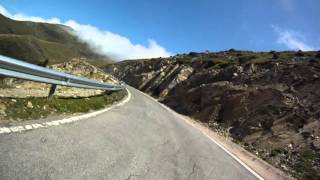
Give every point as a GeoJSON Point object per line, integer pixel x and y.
{"type": "Point", "coordinates": [139, 140]}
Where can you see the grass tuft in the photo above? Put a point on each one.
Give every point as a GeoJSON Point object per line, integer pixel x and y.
{"type": "Point", "coordinates": [18, 109]}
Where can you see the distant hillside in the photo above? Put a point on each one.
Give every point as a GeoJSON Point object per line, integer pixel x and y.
{"type": "Point", "coordinates": [36, 42]}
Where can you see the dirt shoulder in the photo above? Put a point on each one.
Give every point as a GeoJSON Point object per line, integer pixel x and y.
{"type": "Point", "coordinates": [259, 166]}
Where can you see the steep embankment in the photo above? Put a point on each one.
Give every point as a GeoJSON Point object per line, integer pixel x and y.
{"type": "Point", "coordinates": [22, 100]}
{"type": "Point", "coordinates": [38, 42]}
{"type": "Point", "coordinates": [268, 102]}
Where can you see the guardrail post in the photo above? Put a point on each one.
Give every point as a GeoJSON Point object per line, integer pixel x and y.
{"type": "Point", "coordinates": [52, 90]}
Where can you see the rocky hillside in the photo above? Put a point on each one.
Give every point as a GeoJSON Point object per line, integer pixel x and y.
{"type": "Point", "coordinates": [38, 43]}
{"type": "Point", "coordinates": [268, 102]}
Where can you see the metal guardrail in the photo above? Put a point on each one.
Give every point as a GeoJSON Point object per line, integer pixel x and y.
{"type": "Point", "coordinates": [22, 70]}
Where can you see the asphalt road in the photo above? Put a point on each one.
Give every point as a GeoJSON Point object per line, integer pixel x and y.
{"type": "Point", "coordinates": [139, 140]}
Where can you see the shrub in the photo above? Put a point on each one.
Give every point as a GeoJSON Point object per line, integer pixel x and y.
{"type": "Point", "coordinates": [44, 63]}
{"type": "Point", "coordinates": [232, 50]}
{"type": "Point", "coordinates": [318, 55]}
{"type": "Point", "coordinates": [193, 54]}
{"type": "Point", "coordinates": [246, 59]}
{"type": "Point", "coordinates": [299, 53]}
{"type": "Point", "coordinates": [275, 55]}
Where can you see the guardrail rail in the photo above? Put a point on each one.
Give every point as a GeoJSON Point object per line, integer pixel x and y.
{"type": "Point", "coordinates": [18, 69]}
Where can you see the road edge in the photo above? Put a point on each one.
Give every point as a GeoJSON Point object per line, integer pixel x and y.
{"type": "Point", "coordinates": [28, 127]}
{"type": "Point", "coordinates": [242, 156]}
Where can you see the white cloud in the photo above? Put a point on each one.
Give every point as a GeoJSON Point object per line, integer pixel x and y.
{"type": "Point", "coordinates": [4, 11]}
{"type": "Point", "coordinates": [116, 45]}
{"type": "Point", "coordinates": [291, 39]}
{"type": "Point", "coordinates": [103, 42]}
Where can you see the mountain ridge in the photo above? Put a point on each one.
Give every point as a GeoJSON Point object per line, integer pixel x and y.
{"type": "Point", "coordinates": [36, 43]}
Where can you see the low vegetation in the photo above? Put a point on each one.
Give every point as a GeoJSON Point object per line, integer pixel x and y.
{"type": "Point", "coordinates": [22, 109]}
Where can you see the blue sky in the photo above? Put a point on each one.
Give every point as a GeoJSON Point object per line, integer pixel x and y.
{"type": "Point", "coordinates": [165, 27]}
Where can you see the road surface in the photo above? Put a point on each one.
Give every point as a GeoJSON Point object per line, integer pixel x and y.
{"type": "Point", "coordinates": [139, 140]}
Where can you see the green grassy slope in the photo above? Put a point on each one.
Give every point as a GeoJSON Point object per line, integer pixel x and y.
{"type": "Point", "coordinates": [35, 42]}
{"type": "Point", "coordinates": [18, 110]}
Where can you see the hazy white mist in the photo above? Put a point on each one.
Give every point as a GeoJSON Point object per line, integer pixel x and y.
{"type": "Point", "coordinates": [291, 39]}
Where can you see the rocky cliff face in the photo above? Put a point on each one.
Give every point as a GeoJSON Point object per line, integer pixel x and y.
{"type": "Point", "coordinates": [268, 102]}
